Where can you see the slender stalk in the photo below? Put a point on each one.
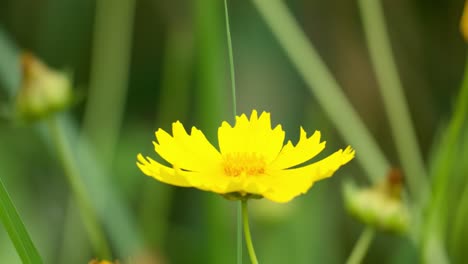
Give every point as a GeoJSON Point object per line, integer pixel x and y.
{"type": "Point", "coordinates": [231, 60]}
{"type": "Point", "coordinates": [239, 232]}
{"type": "Point", "coordinates": [325, 88]}
{"type": "Point", "coordinates": [234, 112]}
{"type": "Point", "coordinates": [248, 238]}
{"type": "Point", "coordinates": [362, 246]}
{"type": "Point", "coordinates": [88, 214]}
{"type": "Point", "coordinates": [393, 98]}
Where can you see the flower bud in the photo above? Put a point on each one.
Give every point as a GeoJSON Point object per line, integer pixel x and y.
{"type": "Point", "coordinates": [43, 90]}
{"type": "Point", "coordinates": [381, 205]}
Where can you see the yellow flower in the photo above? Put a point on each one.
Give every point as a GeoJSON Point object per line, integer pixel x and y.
{"type": "Point", "coordinates": [102, 262]}
{"type": "Point", "coordinates": [252, 160]}
{"type": "Point", "coordinates": [464, 22]}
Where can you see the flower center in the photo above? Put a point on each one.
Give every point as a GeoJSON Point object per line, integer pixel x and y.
{"type": "Point", "coordinates": [243, 163]}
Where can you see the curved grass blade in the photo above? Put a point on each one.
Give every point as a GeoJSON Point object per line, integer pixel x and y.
{"type": "Point", "coordinates": [16, 230]}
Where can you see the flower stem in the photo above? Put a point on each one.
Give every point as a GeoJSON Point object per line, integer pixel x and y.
{"type": "Point", "coordinates": [248, 238]}
{"type": "Point", "coordinates": [88, 214]}
{"type": "Point", "coordinates": [361, 247]}
{"type": "Point", "coordinates": [239, 232]}
{"type": "Point", "coordinates": [234, 111]}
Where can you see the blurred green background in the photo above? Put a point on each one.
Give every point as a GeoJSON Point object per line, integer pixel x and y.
{"type": "Point", "coordinates": [138, 65]}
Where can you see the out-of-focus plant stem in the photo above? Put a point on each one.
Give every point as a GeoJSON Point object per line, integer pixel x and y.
{"type": "Point", "coordinates": [441, 172]}
{"type": "Point", "coordinates": [209, 111]}
{"type": "Point", "coordinates": [87, 212]}
{"type": "Point", "coordinates": [457, 246]}
{"type": "Point", "coordinates": [393, 98]}
{"type": "Point", "coordinates": [325, 88]}
{"type": "Point", "coordinates": [460, 226]}
{"type": "Point", "coordinates": [109, 75]}
{"type": "Point", "coordinates": [362, 246]}
{"type": "Point", "coordinates": [445, 162]}
{"type": "Point", "coordinates": [234, 112]}
{"type": "Point", "coordinates": [175, 85]}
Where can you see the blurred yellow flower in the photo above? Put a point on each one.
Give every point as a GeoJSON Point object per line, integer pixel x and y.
{"type": "Point", "coordinates": [102, 262]}
{"type": "Point", "coordinates": [252, 161]}
{"type": "Point", "coordinates": [464, 22]}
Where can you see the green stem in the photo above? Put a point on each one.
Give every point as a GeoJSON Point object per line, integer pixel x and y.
{"type": "Point", "coordinates": [88, 214]}
{"type": "Point", "coordinates": [234, 111]}
{"type": "Point", "coordinates": [239, 232]}
{"type": "Point", "coordinates": [109, 75]}
{"type": "Point", "coordinates": [325, 88]}
{"type": "Point", "coordinates": [231, 60]}
{"type": "Point", "coordinates": [393, 98]}
{"type": "Point", "coordinates": [248, 238]}
{"type": "Point", "coordinates": [362, 246]}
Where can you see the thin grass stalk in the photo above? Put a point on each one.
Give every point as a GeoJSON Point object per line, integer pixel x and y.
{"type": "Point", "coordinates": [234, 112]}
{"type": "Point", "coordinates": [111, 208]}
{"type": "Point", "coordinates": [82, 198]}
{"type": "Point", "coordinates": [362, 246]}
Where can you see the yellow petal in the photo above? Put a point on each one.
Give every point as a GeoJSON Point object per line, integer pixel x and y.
{"type": "Point", "coordinates": [188, 152]}
{"type": "Point", "coordinates": [251, 136]}
{"type": "Point", "coordinates": [305, 149]}
{"type": "Point", "coordinates": [160, 172]}
{"type": "Point", "coordinates": [287, 184]}
{"type": "Point", "coordinates": [327, 166]}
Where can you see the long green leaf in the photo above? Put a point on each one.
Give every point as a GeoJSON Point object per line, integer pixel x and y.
{"type": "Point", "coordinates": [323, 86]}
{"type": "Point", "coordinates": [393, 96]}
{"type": "Point", "coordinates": [16, 230]}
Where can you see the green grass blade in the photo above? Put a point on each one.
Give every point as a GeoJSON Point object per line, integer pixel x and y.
{"type": "Point", "coordinates": [393, 97]}
{"type": "Point", "coordinates": [109, 75]}
{"type": "Point", "coordinates": [323, 86]}
{"type": "Point", "coordinates": [16, 230]}
{"type": "Point", "coordinates": [442, 171]}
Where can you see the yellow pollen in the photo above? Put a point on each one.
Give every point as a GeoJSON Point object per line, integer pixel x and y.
{"type": "Point", "coordinates": [241, 163]}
